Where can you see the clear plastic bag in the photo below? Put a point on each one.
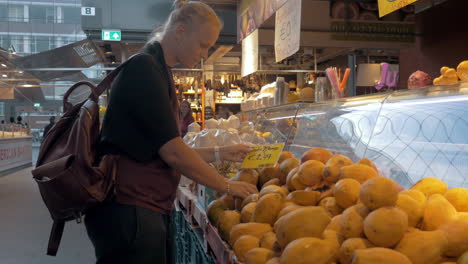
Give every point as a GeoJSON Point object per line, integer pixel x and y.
{"type": "Point", "coordinates": [234, 122]}
{"type": "Point", "coordinates": [194, 127]}
{"type": "Point", "coordinates": [211, 124]}
{"type": "Point", "coordinates": [223, 124]}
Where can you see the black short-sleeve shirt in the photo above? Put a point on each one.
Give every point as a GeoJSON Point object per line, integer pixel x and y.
{"type": "Point", "coordinates": [142, 112]}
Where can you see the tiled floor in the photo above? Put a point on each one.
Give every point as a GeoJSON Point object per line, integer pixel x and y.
{"type": "Point", "coordinates": [25, 225]}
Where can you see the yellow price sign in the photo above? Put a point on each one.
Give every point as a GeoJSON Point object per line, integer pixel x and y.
{"type": "Point", "coordinates": [264, 156]}
{"type": "Point", "coordinates": [388, 6]}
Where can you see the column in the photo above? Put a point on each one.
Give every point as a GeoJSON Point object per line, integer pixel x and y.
{"type": "Point", "coordinates": [26, 13]}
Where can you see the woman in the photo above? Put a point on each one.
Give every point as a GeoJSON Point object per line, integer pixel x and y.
{"type": "Point", "coordinates": [141, 128]}
{"type": "Point", "coordinates": [186, 117]}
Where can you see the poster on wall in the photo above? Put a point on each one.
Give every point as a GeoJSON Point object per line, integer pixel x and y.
{"type": "Point", "coordinates": [252, 13]}
{"type": "Point", "coordinates": [288, 29]}
{"type": "Point", "coordinates": [250, 54]}
{"type": "Point", "coordinates": [388, 6]}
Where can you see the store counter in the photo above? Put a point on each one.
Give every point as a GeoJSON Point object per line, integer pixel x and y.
{"type": "Point", "coordinates": [15, 153]}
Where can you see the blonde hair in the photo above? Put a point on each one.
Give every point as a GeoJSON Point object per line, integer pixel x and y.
{"type": "Point", "coordinates": [188, 13]}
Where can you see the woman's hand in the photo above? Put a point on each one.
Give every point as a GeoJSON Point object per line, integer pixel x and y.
{"type": "Point", "coordinates": [241, 189]}
{"type": "Point", "coordinates": [235, 153]}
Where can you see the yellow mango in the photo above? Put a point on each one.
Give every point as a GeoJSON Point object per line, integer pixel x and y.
{"type": "Point", "coordinates": [430, 186]}
{"type": "Point", "coordinates": [305, 222]}
{"type": "Point", "coordinates": [379, 256]}
{"type": "Point", "coordinates": [423, 247]}
{"type": "Point", "coordinates": [458, 197]}
{"type": "Point", "coordinates": [438, 212]}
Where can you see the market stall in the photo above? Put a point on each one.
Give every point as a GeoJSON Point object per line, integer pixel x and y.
{"type": "Point", "coordinates": [380, 178]}
{"type": "Point", "coordinates": [408, 135]}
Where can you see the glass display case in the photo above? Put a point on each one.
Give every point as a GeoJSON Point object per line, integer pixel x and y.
{"type": "Point", "coordinates": [409, 134]}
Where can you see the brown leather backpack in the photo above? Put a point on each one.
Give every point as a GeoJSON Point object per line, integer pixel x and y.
{"type": "Point", "coordinates": [69, 177]}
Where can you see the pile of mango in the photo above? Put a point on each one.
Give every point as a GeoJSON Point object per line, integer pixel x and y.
{"type": "Point", "coordinates": [327, 209]}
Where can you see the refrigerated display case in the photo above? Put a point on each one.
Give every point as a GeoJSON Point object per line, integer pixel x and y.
{"type": "Point", "coordinates": [409, 134]}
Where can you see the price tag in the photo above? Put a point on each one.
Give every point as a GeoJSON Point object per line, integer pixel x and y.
{"type": "Point", "coordinates": [288, 29]}
{"type": "Point", "coordinates": [264, 156]}
{"type": "Point", "coordinates": [388, 6]}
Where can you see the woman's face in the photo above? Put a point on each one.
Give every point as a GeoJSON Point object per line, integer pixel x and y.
{"type": "Point", "coordinates": [184, 109]}
{"type": "Point", "coordinates": [194, 43]}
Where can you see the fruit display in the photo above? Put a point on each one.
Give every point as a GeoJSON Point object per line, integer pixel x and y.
{"type": "Point", "coordinates": [449, 76]}
{"type": "Point", "coordinates": [326, 209]}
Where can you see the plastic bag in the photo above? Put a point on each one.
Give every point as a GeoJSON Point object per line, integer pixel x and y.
{"type": "Point", "coordinates": [206, 138]}
{"type": "Point", "coordinates": [211, 124]}
{"type": "Point", "coordinates": [189, 137]}
{"type": "Point", "coordinates": [234, 122]}
{"type": "Point", "coordinates": [227, 137]}
{"type": "Point", "coordinates": [194, 127]}
{"type": "Point", "coordinates": [223, 124]}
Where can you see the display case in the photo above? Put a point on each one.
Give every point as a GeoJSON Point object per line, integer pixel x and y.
{"type": "Point", "coordinates": [409, 134]}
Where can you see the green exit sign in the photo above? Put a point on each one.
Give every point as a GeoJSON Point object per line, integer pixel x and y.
{"type": "Point", "coordinates": [111, 35]}
{"type": "Point", "coordinates": [37, 105]}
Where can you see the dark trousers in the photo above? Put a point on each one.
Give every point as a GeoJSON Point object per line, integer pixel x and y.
{"type": "Point", "coordinates": [124, 234]}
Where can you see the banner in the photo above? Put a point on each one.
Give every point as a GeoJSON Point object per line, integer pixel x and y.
{"type": "Point", "coordinates": [15, 152]}
{"type": "Point", "coordinates": [250, 54]}
{"type": "Point", "coordinates": [252, 14]}
{"type": "Point", "coordinates": [288, 29]}
{"type": "Point", "coordinates": [388, 6]}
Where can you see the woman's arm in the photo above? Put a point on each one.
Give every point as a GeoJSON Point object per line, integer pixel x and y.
{"type": "Point", "coordinates": [231, 153]}
{"type": "Point", "coordinates": [184, 159]}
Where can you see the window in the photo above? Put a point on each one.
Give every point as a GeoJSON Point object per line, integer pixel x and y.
{"type": "Point", "coordinates": [3, 13]}
{"type": "Point", "coordinates": [52, 44]}
{"type": "Point", "coordinates": [2, 108]}
{"type": "Point", "coordinates": [41, 43]}
{"type": "Point", "coordinates": [71, 15]}
{"type": "Point", "coordinates": [16, 13]}
{"type": "Point", "coordinates": [37, 14]}
{"type": "Point", "coordinates": [18, 43]}
{"type": "Point", "coordinates": [50, 15]}
{"type": "Point", "coordinates": [5, 41]}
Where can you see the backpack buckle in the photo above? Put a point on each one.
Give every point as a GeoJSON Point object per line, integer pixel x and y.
{"type": "Point", "coordinates": [79, 217]}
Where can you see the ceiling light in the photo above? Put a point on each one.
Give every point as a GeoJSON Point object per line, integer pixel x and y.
{"type": "Point", "coordinates": [27, 85]}
{"type": "Point", "coordinates": [4, 65]}
{"type": "Point", "coordinates": [4, 75]}
{"type": "Point", "coordinates": [20, 72]}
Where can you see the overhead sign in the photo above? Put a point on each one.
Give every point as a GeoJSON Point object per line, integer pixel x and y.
{"type": "Point", "coordinates": [264, 156]}
{"type": "Point", "coordinates": [388, 6]}
{"type": "Point", "coordinates": [88, 11]}
{"type": "Point", "coordinates": [250, 54]}
{"type": "Point", "coordinates": [288, 29]}
{"type": "Point", "coordinates": [111, 35]}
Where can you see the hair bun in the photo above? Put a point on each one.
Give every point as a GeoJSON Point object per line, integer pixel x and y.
{"type": "Point", "coordinates": [178, 4]}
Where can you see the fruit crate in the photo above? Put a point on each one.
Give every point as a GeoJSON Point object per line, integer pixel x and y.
{"type": "Point", "coordinates": [188, 241]}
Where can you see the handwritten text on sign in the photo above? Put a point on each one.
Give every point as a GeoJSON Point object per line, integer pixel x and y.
{"type": "Point", "coordinates": [288, 29]}
{"type": "Point", "coordinates": [388, 6]}
{"type": "Point", "coordinates": [263, 156]}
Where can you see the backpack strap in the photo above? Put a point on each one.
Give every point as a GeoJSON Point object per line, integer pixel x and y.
{"type": "Point", "coordinates": [55, 237]}
{"type": "Point", "coordinates": [106, 82]}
